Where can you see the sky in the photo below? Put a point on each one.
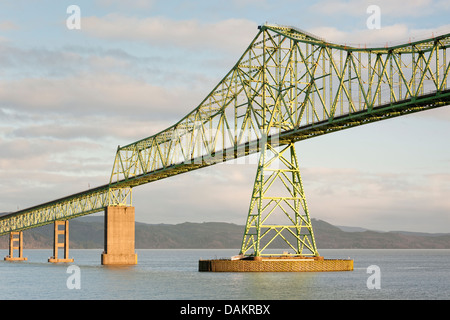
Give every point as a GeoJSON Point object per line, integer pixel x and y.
{"type": "Point", "coordinates": [70, 96]}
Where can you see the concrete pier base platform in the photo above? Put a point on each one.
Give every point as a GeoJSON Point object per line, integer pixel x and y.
{"type": "Point", "coordinates": [60, 260]}
{"type": "Point", "coordinates": [8, 258]}
{"type": "Point", "coordinates": [119, 236]}
{"type": "Point", "coordinates": [276, 264]}
{"type": "Point", "coordinates": [119, 259]}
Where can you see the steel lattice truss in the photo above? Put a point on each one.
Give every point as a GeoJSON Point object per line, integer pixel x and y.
{"type": "Point", "coordinates": [280, 214]}
{"type": "Point", "coordinates": [286, 87]}
{"type": "Point", "coordinates": [76, 205]}
{"type": "Point", "coordinates": [291, 86]}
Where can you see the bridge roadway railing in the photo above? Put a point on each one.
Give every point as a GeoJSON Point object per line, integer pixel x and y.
{"type": "Point", "coordinates": [287, 86]}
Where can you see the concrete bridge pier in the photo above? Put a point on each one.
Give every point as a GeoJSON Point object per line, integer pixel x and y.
{"type": "Point", "coordinates": [15, 238]}
{"type": "Point", "coordinates": [119, 236]}
{"type": "Point", "coordinates": [64, 244]}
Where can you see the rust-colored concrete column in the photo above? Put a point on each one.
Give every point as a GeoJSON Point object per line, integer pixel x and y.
{"type": "Point", "coordinates": [119, 236]}
{"type": "Point", "coordinates": [64, 244]}
{"type": "Point", "coordinates": [13, 238]}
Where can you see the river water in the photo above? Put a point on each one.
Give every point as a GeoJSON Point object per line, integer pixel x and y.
{"type": "Point", "coordinates": [173, 275]}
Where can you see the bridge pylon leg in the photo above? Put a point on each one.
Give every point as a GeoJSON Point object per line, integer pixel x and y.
{"type": "Point", "coordinates": [119, 236]}
{"type": "Point", "coordinates": [64, 244]}
{"type": "Point", "coordinates": [16, 243]}
{"type": "Point", "coordinates": [278, 213]}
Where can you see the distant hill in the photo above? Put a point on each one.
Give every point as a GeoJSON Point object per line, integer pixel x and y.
{"type": "Point", "coordinates": [88, 233]}
{"type": "Point", "coordinates": [332, 237]}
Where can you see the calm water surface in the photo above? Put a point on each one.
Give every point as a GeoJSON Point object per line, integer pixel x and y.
{"type": "Point", "coordinates": [172, 274]}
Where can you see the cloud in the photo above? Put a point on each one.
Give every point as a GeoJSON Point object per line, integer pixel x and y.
{"type": "Point", "coordinates": [218, 193]}
{"type": "Point", "coordinates": [387, 35]}
{"type": "Point", "coordinates": [250, 3]}
{"type": "Point", "coordinates": [76, 80]}
{"type": "Point", "coordinates": [358, 8]}
{"type": "Point", "coordinates": [21, 62]}
{"type": "Point", "coordinates": [359, 198]}
{"type": "Point", "coordinates": [135, 4]}
{"type": "Point", "coordinates": [344, 196]}
{"type": "Point", "coordinates": [344, 22]}
{"type": "Point", "coordinates": [96, 94]}
{"type": "Point", "coordinates": [8, 25]}
{"type": "Point", "coordinates": [161, 31]}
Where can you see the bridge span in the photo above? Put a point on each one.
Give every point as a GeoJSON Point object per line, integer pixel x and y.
{"type": "Point", "coordinates": [286, 87]}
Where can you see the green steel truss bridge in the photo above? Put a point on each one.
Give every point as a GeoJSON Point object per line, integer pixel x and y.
{"type": "Point", "coordinates": [287, 86]}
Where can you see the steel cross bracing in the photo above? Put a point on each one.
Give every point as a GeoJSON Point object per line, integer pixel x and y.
{"type": "Point", "coordinates": [280, 214]}
{"type": "Point", "coordinates": [287, 86]}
